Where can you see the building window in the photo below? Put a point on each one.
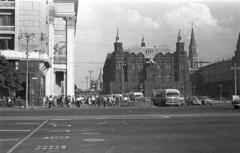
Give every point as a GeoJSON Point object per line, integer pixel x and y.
{"type": "Point", "coordinates": [7, 18]}
{"type": "Point", "coordinates": [168, 66]}
{"type": "Point", "coordinates": [181, 66]}
{"type": "Point", "coordinates": [141, 66]}
{"type": "Point", "coordinates": [168, 78]}
{"type": "Point", "coordinates": [159, 78]}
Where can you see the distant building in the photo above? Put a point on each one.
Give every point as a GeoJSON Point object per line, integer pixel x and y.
{"type": "Point", "coordinates": [218, 79]}
{"type": "Point", "coordinates": [145, 69]}
{"type": "Point", "coordinates": [96, 85]}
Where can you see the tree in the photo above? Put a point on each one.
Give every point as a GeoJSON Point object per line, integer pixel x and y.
{"type": "Point", "coordinates": [10, 78]}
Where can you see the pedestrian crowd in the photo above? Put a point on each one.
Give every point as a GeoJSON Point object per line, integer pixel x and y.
{"type": "Point", "coordinates": [88, 100]}
{"type": "Point", "coordinates": [12, 101]}
{"type": "Point", "coordinates": [69, 101]}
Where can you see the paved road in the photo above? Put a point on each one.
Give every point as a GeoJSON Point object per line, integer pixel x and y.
{"type": "Point", "coordinates": [184, 129]}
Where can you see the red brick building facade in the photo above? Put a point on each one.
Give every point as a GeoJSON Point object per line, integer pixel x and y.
{"type": "Point", "coordinates": [145, 69]}
{"type": "Point", "coordinates": [218, 79]}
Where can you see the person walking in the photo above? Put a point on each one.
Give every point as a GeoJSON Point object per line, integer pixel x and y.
{"type": "Point", "coordinates": [8, 102]}
{"type": "Point", "coordinates": [50, 101]}
{"type": "Point", "coordinates": [78, 100]}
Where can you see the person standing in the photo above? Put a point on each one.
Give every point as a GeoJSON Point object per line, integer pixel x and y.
{"type": "Point", "coordinates": [44, 101]}
{"type": "Point", "coordinates": [78, 100]}
{"type": "Point", "coordinates": [93, 101]}
{"type": "Point", "coordinates": [50, 101]}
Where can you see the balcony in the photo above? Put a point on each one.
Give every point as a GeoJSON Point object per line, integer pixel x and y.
{"type": "Point", "coordinates": [7, 4]}
{"type": "Point", "coordinates": [7, 29]}
{"type": "Point", "coordinates": [12, 54]}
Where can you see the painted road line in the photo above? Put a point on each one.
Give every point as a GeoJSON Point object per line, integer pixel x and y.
{"type": "Point", "coordinates": [15, 130]}
{"type": "Point", "coordinates": [90, 133]}
{"type": "Point", "coordinates": [61, 119]}
{"type": "Point", "coordinates": [20, 142]}
{"type": "Point", "coordinates": [93, 140]}
{"type": "Point", "coordinates": [101, 123]}
{"type": "Point", "coordinates": [27, 123]}
{"type": "Point", "coordinates": [124, 123]}
{"type": "Point", "coordinates": [9, 139]}
{"type": "Point", "coordinates": [164, 116]}
{"type": "Point", "coordinates": [57, 147]}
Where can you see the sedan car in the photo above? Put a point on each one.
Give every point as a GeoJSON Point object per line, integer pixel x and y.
{"type": "Point", "coordinates": [193, 100]}
{"type": "Point", "coordinates": [236, 103]}
{"type": "Point", "coordinates": [205, 100]}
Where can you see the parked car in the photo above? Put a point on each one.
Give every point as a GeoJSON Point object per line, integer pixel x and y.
{"type": "Point", "coordinates": [182, 100]}
{"type": "Point", "coordinates": [193, 100]}
{"type": "Point", "coordinates": [236, 103]}
{"type": "Point", "coordinates": [205, 100]}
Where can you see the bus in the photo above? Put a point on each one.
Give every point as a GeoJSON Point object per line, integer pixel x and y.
{"type": "Point", "coordinates": [163, 97]}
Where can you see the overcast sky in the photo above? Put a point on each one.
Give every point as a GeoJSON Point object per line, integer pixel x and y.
{"type": "Point", "coordinates": [216, 27]}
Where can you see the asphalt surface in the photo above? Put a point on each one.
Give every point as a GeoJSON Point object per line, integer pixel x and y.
{"type": "Point", "coordinates": [182, 129]}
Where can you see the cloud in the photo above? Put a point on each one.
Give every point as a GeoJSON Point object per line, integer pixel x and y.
{"type": "Point", "coordinates": [196, 13]}
{"type": "Point", "coordinates": [87, 17]}
{"type": "Point", "coordinates": [134, 19]}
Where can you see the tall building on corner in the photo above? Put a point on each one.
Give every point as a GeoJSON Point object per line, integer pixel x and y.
{"type": "Point", "coordinates": [52, 27]}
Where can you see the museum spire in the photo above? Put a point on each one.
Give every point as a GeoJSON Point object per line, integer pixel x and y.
{"type": "Point", "coordinates": [238, 42]}
{"type": "Point", "coordinates": [143, 43]}
{"type": "Point", "coordinates": [192, 41]}
{"type": "Point", "coordinates": [179, 38]}
{"type": "Point", "coordinates": [117, 37]}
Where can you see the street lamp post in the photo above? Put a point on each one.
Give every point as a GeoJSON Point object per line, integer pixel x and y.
{"type": "Point", "coordinates": [86, 83]}
{"type": "Point", "coordinates": [194, 87]}
{"type": "Point", "coordinates": [90, 72]}
{"type": "Point", "coordinates": [123, 64]}
{"type": "Point", "coordinates": [220, 91]}
{"type": "Point", "coordinates": [28, 37]}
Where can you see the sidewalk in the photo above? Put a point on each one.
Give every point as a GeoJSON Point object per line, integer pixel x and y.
{"type": "Point", "coordinates": [222, 101]}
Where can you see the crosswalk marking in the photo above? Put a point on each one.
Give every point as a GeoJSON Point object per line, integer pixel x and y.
{"type": "Point", "coordinates": [63, 131]}
{"type": "Point", "coordinates": [56, 137]}
{"type": "Point", "coordinates": [57, 147]}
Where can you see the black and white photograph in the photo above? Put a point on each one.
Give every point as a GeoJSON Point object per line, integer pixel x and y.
{"type": "Point", "coordinates": [119, 76]}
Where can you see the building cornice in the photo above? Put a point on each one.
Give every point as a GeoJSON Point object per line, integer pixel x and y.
{"type": "Point", "coordinates": [71, 22]}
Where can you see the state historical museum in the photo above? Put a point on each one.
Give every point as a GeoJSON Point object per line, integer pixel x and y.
{"type": "Point", "coordinates": [143, 69]}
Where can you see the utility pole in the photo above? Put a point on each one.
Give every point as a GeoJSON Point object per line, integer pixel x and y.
{"type": "Point", "coordinates": [28, 37]}
{"type": "Point", "coordinates": [235, 68]}
{"type": "Point", "coordinates": [122, 78]}
{"type": "Point", "coordinates": [90, 72]}
{"type": "Point", "coordinates": [123, 63]}
{"type": "Point", "coordinates": [86, 83]}
{"type": "Point", "coordinates": [194, 88]}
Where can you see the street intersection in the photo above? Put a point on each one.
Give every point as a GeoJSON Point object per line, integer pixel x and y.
{"type": "Point", "coordinates": [183, 129]}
